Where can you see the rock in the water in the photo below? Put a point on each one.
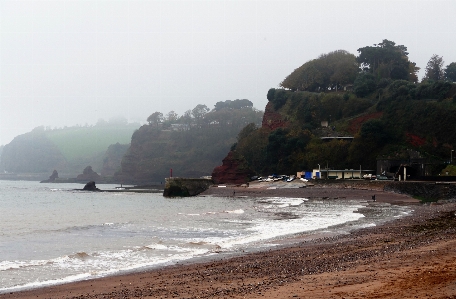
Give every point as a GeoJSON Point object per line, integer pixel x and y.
{"type": "Point", "coordinates": [88, 175]}
{"type": "Point", "coordinates": [54, 175]}
{"type": "Point", "coordinates": [52, 178]}
{"type": "Point", "coordinates": [90, 186]}
{"type": "Point", "coordinates": [234, 170]}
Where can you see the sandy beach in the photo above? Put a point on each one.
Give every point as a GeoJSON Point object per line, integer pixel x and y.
{"type": "Point", "coordinates": [411, 257]}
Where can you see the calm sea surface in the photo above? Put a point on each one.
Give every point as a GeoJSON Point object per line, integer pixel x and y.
{"type": "Point", "coordinates": [50, 234]}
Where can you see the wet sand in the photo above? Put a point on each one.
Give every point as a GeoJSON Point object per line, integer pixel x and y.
{"type": "Point", "coordinates": [412, 257]}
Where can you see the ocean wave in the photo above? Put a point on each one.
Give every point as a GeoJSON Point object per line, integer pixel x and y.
{"type": "Point", "coordinates": [13, 265]}
{"type": "Point", "coordinates": [156, 246]}
{"type": "Point", "coordinates": [79, 255]}
{"type": "Point", "coordinates": [238, 211]}
{"type": "Point", "coordinates": [16, 265]}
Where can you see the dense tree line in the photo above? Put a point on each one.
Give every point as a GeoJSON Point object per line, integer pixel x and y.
{"type": "Point", "coordinates": [329, 71]}
{"type": "Point", "coordinates": [387, 112]}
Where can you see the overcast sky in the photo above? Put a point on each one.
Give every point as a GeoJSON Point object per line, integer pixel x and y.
{"type": "Point", "coordinates": [73, 62]}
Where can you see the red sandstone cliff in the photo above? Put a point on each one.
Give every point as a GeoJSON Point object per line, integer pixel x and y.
{"type": "Point", "coordinates": [234, 170]}
{"type": "Point", "coordinates": [272, 119]}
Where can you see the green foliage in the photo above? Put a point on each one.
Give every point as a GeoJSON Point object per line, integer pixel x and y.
{"type": "Point", "coordinates": [246, 131]}
{"type": "Point", "coordinates": [403, 117]}
{"type": "Point", "coordinates": [333, 153]}
{"type": "Point", "coordinates": [280, 98]}
{"type": "Point", "coordinates": [450, 72]}
{"type": "Point", "coordinates": [450, 170]}
{"type": "Point", "coordinates": [433, 90]}
{"type": "Point", "coordinates": [375, 131]}
{"type": "Point", "coordinates": [236, 104]}
{"type": "Point", "coordinates": [387, 60]}
{"type": "Point", "coordinates": [364, 84]}
{"type": "Point", "coordinates": [434, 68]}
{"type": "Point", "coordinates": [390, 111]}
{"type": "Point", "coordinates": [329, 71]}
{"type": "Point", "coordinates": [270, 95]}
{"type": "Point", "coordinates": [155, 118]}
{"type": "Point", "coordinates": [252, 147]}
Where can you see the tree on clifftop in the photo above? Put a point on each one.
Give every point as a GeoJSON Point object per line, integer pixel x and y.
{"type": "Point", "coordinates": [387, 60]}
{"type": "Point", "coordinates": [329, 71]}
{"type": "Point", "coordinates": [450, 72]}
{"type": "Point", "coordinates": [199, 112]}
{"type": "Point", "coordinates": [155, 118]}
{"type": "Point", "coordinates": [434, 68]}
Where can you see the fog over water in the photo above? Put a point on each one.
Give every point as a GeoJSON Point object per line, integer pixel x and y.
{"type": "Point", "coordinates": [64, 63]}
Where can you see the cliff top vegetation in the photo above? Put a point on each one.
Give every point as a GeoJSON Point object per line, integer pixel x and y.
{"type": "Point", "coordinates": [374, 97]}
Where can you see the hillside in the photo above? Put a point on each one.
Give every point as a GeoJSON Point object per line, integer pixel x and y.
{"type": "Point", "coordinates": [389, 123]}
{"type": "Point", "coordinates": [191, 148]}
{"type": "Point", "coordinates": [388, 114]}
{"type": "Point", "coordinates": [68, 150]}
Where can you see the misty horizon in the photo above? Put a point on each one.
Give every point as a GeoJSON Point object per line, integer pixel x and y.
{"type": "Point", "coordinates": [65, 63]}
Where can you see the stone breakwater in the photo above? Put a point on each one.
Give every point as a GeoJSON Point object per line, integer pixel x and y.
{"type": "Point", "coordinates": [183, 187]}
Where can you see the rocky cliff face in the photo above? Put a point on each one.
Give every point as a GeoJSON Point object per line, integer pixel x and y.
{"type": "Point", "coordinates": [113, 158]}
{"type": "Point", "coordinates": [234, 170]}
{"type": "Point", "coordinates": [272, 119]}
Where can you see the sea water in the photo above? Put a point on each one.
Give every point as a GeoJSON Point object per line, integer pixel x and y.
{"type": "Point", "coordinates": [52, 234]}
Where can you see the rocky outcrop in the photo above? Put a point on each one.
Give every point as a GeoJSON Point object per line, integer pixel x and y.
{"type": "Point", "coordinates": [234, 170]}
{"type": "Point", "coordinates": [52, 178]}
{"type": "Point", "coordinates": [90, 186]}
{"type": "Point", "coordinates": [54, 175]}
{"type": "Point", "coordinates": [182, 187]}
{"type": "Point", "coordinates": [88, 175]}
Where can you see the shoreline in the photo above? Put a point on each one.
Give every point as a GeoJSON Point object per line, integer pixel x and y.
{"type": "Point", "coordinates": [408, 256]}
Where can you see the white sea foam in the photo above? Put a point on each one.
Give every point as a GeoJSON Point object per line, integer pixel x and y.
{"type": "Point", "coordinates": [44, 283]}
{"type": "Point", "coordinates": [156, 246]}
{"type": "Point", "coordinates": [10, 265]}
{"type": "Point", "coordinates": [238, 211]}
{"type": "Point", "coordinates": [77, 236]}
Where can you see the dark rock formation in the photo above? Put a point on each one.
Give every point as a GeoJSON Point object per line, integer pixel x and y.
{"type": "Point", "coordinates": [90, 186]}
{"type": "Point", "coordinates": [54, 175]}
{"type": "Point", "coordinates": [234, 170]}
{"type": "Point", "coordinates": [52, 178]}
{"type": "Point", "coordinates": [182, 187]}
{"type": "Point", "coordinates": [88, 175]}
